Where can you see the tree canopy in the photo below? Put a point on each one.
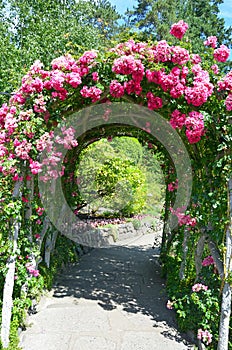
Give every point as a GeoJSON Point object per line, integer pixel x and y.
{"type": "Point", "coordinates": [31, 30]}
{"type": "Point", "coordinates": [155, 17]}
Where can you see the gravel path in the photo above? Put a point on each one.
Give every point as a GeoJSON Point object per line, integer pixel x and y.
{"type": "Point", "coordinates": [113, 299]}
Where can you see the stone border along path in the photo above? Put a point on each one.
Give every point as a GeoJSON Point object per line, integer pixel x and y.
{"type": "Point", "coordinates": [113, 299]}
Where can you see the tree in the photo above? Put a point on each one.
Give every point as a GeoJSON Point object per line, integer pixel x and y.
{"type": "Point", "coordinates": [109, 175]}
{"type": "Point", "coordinates": [154, 18]}
{"type": "Point", "coordinates": [129, 147]}
{"type": "Point", "coordinates": [123, 185]}
{"type": "Point", "coordinates": [42, 30]}
{"type": "Point", "coordinates": [204, 21]}
{"type": "Point", "coordinates": [99, 184]}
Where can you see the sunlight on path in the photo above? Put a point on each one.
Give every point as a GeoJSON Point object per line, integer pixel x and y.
{"type": "Point", "coordinates": [114, 299]}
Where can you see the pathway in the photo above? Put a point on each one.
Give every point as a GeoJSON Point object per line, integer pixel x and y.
{"type": "Point", "coordinates": [113, 299]}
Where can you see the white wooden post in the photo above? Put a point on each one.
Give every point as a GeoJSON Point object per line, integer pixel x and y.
{"type": "Point", "coordinates": [9, 280]}
{"type": "Point", "coordinates": [226, 294]}
{"type": "Point", "coordinates": [49, 246]}
{"type": "Point", "coordinates": [184, 254]}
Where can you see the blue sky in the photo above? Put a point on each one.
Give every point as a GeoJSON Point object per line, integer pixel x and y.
{"type": "Point", "coordinates": [226, 8]}
{"type": "Point", "coordinates": [226, 12]}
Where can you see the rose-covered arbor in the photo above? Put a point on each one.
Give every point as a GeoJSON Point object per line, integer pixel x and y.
{"type": "Point", "coordinates": [189, 91]}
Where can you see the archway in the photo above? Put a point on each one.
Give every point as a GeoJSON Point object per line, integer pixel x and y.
{"type": "Point", "coordinates": [187, 91]}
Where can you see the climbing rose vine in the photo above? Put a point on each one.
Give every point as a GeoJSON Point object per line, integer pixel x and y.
{"type": "Point", "coordinates": [185, 88]}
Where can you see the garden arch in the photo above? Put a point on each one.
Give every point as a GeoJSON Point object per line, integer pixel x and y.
{"type": "Point", "coordinates": [189, 92]}
{"type": "Point", "coordinates": [121, 114]}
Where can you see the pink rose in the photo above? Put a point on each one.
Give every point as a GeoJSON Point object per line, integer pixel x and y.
{"type": "Point", "coordinates": [178, 29]}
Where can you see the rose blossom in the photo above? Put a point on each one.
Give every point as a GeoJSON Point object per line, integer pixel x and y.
{"type": "Point", "coordinates": [208, 261]}
{"type": "Point", "coordinates": [211, 41]}
{"type": "Point", "coordinates": [205, 336]}
{"type": "Point", "coordinates": [198, 287]}
{"type": "Point", "coordinates": [169, 305]}
{"type": "Point", "coordinates": [222, 53]}
{"type": "Point", "coordinates": [228, 102]}
{"type": "Point", "coordinates": [154, 102]}
{"type": "Point", "coordinates": [178, 29]}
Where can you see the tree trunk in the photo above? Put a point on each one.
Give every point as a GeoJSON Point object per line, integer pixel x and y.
{"type": "Point", "coordinates": [226, 294]}
{"type": "Point", "coordinates": [9, 280]}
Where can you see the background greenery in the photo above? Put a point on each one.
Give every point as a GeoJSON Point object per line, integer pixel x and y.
{"type": "Point", "coordinates": [121, 176]}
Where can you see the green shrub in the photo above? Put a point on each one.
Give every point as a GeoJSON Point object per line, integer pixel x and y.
{"type": "Point", "coordinates": [137, 224]}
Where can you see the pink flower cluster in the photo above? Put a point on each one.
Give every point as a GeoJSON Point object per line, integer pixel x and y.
{"type": "Point", "coordinates": [183, 219]}
{"type": "Point", "coordinates": [226, 82]}
{"type": "Point", "coordinates": [92, 92]}
{"type": "Point", "coordinates": [87, 58]}
{"type": "Point", "coordinates": [194, 126]}
{"type": "Point", "coordinates": [68, 141]}
{"type": "Point", "coordinates": [154, 76]}
{"type": "Point", "coordinates": [208, 261]}
{"type": "Point", "coordinates": [173, 186]}
{"type": "Point", "coordinates": [222, 53]}
{"type": "Point", "coordinates": [49, 165]}
{"type": "Point", "coordinates": [162, 52]}
{"type": "Point", "coordinates": [35, 166]}
{"type": "Point", "coordinates": [154, 102]}
{"type": "Point", "coordinates": [132, 87]}
{"type": "Point", "coordinates": [198, 287]}
{"type": "Point", "coordinates": [22, 148]}
{"type": "Point", "coordinates": [205, 336]}
{"type": "Point", "coordinates": [226, 85]}
{"type": "Point", "coordinates": [32, 271]}
{"type": "Point", "coordinates": [178, 29]}
{"type": "Point", "coordinates": [82, 66]}
{"type": "Point", "coordinates": [215, 68]}
{"type": "Point", "coordinates": [172, 83]}
{"type": "Point", "coordinates": [8, 119]}
{"type": "Point", "coordinates": [95, 76]}
{"type": "Point", "coordinates": [66, 62]}
{"type": "Point", "coordinates": [49, 143]}
{"type": "Point", "coordinates": [128, 65]}
{"type": "Point", "coordinates": [178, 119]}
{"type": "Point", "coordinates": [179, 55]}
{"type": "Point", "coordinates": [73, 79]}
{"type": "Point", "coordinates": [40, 211]}
{"type": "Point", "coordinates": [65, 71]}
{"type": "Point", "coordinates": [45, 142]}
{"type": "Point", "coordinates": [211, 41]}
{"type": "Point", "coordinates": [201, 90]}
{"type": "Point", "coordinates": [131, 47]}
{"type": "Point", "coordinates": [31, 85]}
{"type": "Point", "coordinates": [228, 102]}
{"type": "Point", "coordinates": [195, 58]}
{"type": "Point", "coordinates": [116, 89]}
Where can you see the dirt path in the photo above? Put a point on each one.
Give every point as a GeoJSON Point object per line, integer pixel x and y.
{"type": "Point", "coordinates": [113, 299]}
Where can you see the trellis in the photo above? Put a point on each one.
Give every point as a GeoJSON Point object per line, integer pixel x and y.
{"type": "Point", "coordinates": [134, 86]}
